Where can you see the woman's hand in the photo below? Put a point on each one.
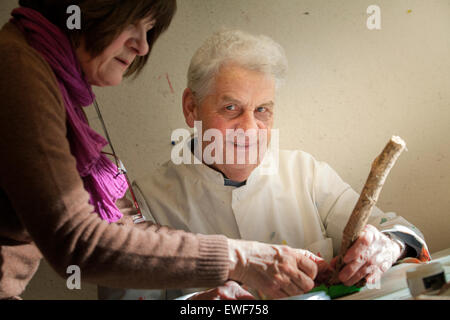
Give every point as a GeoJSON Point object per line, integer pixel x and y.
{"type": "Point", "coordinates": [276, 271]}
{"type": "Point", "coordinates": [229, 291]}
{"type": "Point", "coordinates": [372, 254]}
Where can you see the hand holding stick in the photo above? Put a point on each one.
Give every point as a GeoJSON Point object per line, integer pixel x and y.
{"type": "Point", "coordinates": [381, 167]}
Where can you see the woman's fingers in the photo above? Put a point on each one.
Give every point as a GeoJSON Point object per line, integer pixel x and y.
{"type": "Point", "coordinates": [277, 271]}
{"type": "Point", "coordinates": [303, 282]}
{"type": "Point", "coordinates": [308, 266]}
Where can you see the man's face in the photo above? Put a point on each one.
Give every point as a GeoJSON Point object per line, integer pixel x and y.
{"type": "Point", "coordinates": [239, 99]}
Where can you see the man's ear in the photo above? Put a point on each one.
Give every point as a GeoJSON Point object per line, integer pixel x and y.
{"type": "Point", "coordinates": [190, 108]}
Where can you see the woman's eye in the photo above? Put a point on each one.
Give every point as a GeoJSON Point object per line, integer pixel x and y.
{"type": "Point", "coordinates": [231, 107]}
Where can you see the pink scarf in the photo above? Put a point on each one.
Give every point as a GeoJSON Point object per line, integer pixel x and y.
{"type": "Point", "coordinates": [96, 170]}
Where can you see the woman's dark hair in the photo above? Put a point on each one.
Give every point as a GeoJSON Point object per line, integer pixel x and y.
{"type": "Point", "coordinates": [103, 20]}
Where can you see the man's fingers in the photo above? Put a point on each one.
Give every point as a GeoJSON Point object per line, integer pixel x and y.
{"type": "Point", "coordinates": [229, 291]}
{"type": "Point", "coordinates": [374, 277]}
{"type": "Point", "coordinates": [236, 292]}
{"type": "Point", "coordinates": [362, 273]}
{"type": "Point", "coordinates": [361, 245]}
{"type": "Point", "coordinates": [350, 270]}
{"type": "Point", "coordinates": [245, 295]}
{"type": "Point", "coordinates": [333, 262]}
{"type": "Point", "coordinates": [212, 294]}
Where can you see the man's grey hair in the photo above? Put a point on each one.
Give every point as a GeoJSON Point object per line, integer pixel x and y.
{"type": "Point", "coordinates": [258, 53]}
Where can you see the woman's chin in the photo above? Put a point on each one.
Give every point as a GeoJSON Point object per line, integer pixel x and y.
{"type": "Point", "coordinates": [107, 81]}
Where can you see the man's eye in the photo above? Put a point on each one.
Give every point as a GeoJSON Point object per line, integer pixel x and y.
{"type": "Point", "coordinates": [231, 107]}
{"type": "Point", "coordinates": [261, 109]}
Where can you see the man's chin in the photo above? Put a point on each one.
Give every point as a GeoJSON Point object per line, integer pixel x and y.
{"type": "Point", "coordinates": [241, 167]}
{"type": "Point", "coordinates": [236, 172]}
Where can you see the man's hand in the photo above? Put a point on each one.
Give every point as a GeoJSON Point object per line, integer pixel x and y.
{"type": "Point", "coordinates": [229, 291]}
{"type": "Point", "coordinates": [276, 271]}
{"type": "Point", "coordinates": [372, 254]}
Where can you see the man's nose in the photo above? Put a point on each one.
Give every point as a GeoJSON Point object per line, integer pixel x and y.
{"type": "Point", "coordinates": [247, 121]}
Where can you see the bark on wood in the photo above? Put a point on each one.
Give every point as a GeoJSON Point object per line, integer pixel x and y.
{"type": "Point", "coordinates": [381, 167]}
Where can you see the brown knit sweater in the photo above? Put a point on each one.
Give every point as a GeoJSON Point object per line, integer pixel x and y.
{"type": "Point", "coordinates": [44, 209]}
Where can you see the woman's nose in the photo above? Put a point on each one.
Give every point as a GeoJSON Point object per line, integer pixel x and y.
{"type": "Point", "coordinates": [139, 42]}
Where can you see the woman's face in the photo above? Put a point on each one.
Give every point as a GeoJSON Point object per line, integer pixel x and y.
{"type": "Point", "coordinates": [108, 68]}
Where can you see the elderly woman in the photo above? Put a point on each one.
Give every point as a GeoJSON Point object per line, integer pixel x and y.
{"type": "Point", "coordinates": [60, 196]}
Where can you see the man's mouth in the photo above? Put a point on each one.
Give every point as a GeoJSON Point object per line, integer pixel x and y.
{"type": "Point", "coordinates": [242, 145]}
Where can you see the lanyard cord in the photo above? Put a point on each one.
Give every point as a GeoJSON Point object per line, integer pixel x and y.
{"type": "Point", "coordinates": [137, 218]}
{"type": "Point", "coordinates": [97, 109]}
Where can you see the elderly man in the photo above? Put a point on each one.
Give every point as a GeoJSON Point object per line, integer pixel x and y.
{"type": "Point", "coordinates": [302, 202]}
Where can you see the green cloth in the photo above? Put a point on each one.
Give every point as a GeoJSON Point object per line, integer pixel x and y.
{"type": "Point", "coordinates": [336, 291]}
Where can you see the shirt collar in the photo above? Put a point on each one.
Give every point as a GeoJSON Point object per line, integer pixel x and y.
{"type": "Point", "coordinates": [213, 173]}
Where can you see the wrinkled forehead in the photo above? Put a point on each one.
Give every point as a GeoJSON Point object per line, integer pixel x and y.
{"type": "Point", "coordinates": [231, 81]}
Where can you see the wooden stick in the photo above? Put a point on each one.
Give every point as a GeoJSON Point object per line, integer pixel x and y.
{"type": "Point", "coordinates": [381, 167]}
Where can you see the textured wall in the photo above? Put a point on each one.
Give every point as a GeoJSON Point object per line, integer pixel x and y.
{"type": "Point", "coordinates": [348, 90]}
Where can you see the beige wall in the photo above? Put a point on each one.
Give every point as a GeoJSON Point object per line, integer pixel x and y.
{"type": "Point", "coordinates": [348, 90]}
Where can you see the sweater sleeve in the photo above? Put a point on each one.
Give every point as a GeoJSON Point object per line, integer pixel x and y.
{"type": "Point", "coordinates": [39, 176]}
